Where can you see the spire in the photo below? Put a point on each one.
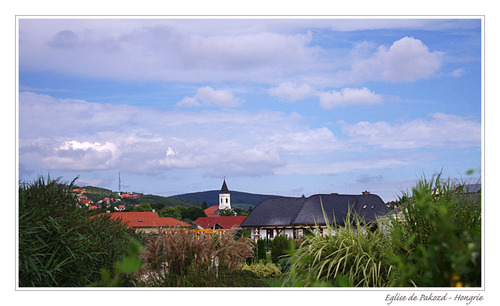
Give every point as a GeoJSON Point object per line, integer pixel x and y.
{"type": "Point", "coordinates": [224, 189]}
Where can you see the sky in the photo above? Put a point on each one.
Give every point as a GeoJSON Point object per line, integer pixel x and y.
{"type": "Point", "coordinates": [286, 106]}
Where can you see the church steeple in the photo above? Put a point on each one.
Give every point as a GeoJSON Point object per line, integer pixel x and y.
{"type": "Point", "coordinates": [224, 188]}
{"type": "Point", "coordinates": [224, 197]}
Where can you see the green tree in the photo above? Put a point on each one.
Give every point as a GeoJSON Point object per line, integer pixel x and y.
{"type": "Point", "coordinates": [173, 212]}
{"type": "Point", "coordinates": [279, 247]}
{"type": "Point", "coordinates": [204, 205]}
{"type": "Point", "coordinates": [192, 213]}
{"type": "Point", "coordinates": [226, 212]}
{"type": "Point", "coordinates": [143, 207]}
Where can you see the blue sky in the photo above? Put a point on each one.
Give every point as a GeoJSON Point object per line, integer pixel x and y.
{"type": "Point", "coordinates": [285, 106]}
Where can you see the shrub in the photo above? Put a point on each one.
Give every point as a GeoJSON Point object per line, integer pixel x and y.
{"type": "Point", "coordinates": [279, 247]}
{"type": "Point", "coordinates": [177, 258]}
{"type": "Point", "coordinates": [350, 256]}
{"type": "Point", "coordinates": [58, 244]}
{"type": "Point", "coordinates": [261, 250]}
{"type": "Point", "coordinates": [263, 270]}
{"type": "Point", "coordinates": [437, 237]}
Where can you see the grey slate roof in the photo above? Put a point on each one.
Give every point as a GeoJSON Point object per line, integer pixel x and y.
{"type": "Point", "coordinates": [274, 211]}
{"type": "Point", "coordinates": [309, 211]}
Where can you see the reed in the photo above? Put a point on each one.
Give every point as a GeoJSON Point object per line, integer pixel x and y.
{"type": "Point", "coordinates": [352, 255]}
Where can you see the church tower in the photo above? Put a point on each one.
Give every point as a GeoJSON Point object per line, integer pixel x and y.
{"type": "Point", "coordinates": [224, 197]}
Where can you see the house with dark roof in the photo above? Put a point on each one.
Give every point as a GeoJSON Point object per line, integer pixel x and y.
{"type": "Point", "coordinates": [294, 216]}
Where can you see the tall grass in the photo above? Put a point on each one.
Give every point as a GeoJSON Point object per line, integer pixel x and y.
{"type": "Point", "coordinates": [58, 245]}
{"type": "Point", "coordinates": [176, 258]}
{"type": "Point", "coordinates": [345, 256]}
{"type": "Point", "coordinates": [437, 237]}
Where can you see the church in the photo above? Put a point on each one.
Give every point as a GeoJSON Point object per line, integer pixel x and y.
{"type": "Point", "coordinates": [213, 219]}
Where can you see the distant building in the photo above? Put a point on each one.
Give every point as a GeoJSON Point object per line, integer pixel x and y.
{"type": "Point", "coordinates": [212, 211]}
{"type": "Point", "coordinates": [224, 197]}
{"type": "Point", "coordinates": [146, 221]}
{"type": "Point", "coordinates": [219, 222]}
{"type": "Point", "coordinates": [293, 217]}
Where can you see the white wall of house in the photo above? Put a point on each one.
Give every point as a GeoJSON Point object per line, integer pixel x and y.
{"type": "Point", "coordinates": [264, 233]}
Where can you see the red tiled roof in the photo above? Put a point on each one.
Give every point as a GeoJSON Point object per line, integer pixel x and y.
{"type": "Point", "coordinates": [146, 219]}
{"type": "Point", "coordinates": [210, 212]}
{"type": "Point", "coordinates": [225, 222]}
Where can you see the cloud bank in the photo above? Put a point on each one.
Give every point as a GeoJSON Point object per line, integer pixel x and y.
{"type": "Point", "coordinates": [81, 135]}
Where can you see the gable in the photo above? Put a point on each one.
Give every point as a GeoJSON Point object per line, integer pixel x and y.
{"type": "Point", "coordinates": [225, 222]}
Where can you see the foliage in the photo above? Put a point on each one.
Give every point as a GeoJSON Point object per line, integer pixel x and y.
{"type": "Point", "coordinates": [177, 258]}
{"type": "Point", "coordinates": [124, 269]}
{"type": "Point", "coordinates": [143, 207]}
{"type": "Point", "coordinates": [58, 244]}
{"type": "Point", "coordinates": [438, 237]}
{"type": "Point", "coordinates": [191, 213]}
{"type": "Point", "coordinates": [260, 253]}
{"type": "Point", "coordinates": [226, 212]}
{"type": "Point", "coordinates": [279, 247]}
{"type": "Point", "coordinates": [173, 212]}
{"type": "Point", "coordinates": [349, 256]}
{"type": "Point", "coordinates": [264, 270]}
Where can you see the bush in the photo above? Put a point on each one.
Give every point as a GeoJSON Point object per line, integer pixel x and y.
{"type": "Point", "coordinates": [279, 247]}
{"type": "Point", "coordinates": [261, 250]}
{"type": "Point", "coordinates": [175, 258]}
{"type": "Point", "coordinates": [437, 237]}
{"type": "Point", "coordinates": [263, 270]}
{"type": "Point", "coordinates": [350, 256]}
{"type": "Point", "coordinates": [59, 246]}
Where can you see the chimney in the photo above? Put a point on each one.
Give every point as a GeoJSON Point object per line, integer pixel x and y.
{"type": "Point", "coordinates": [153, 211]}
{"type": "Point", "coordinates": [366, 192]}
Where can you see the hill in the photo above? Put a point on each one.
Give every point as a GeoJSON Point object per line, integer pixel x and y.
{"type": "Point", "coordinates": [242, 200]}
{"type": "Point", "coordinates": [96, 193]}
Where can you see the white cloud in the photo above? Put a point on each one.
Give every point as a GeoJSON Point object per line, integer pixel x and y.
{"type": "Point", "coordinates": [210, 97]}
{"type": "Point", "coordinates": [292, 92]}
{"type": "Point", "coordinates": [150, 141]}
{"type": "Point", "coordinates": [217, 142]}
{"type": "Point", "coordinates": [407, 60]}
{"type": "Point", "coordinates": [442, 130]}
{"type": "Point", "coordinates": [162, 50]}
{"type": "Point", "coordinates": [458, 72]}
{"type": "Point", "coordinates": [349, 96]}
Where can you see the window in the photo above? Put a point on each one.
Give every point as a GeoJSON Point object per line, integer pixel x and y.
{"type": "Point", "coordinates": [227, 200]}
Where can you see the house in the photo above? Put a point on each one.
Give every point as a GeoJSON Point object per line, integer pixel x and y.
{"type": "Point", "coordinates": [219, 222]}
{"type": "Point", "coordinates": [146, 221]}
{"type": "Point", "coordinates": [212, 211]}
{"type": "Point", "coordinates": [130, 195]}
{"type": "Point", "coordinates": [293, 217]}
{"type": "Point", "coordinates": [120, 208]}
